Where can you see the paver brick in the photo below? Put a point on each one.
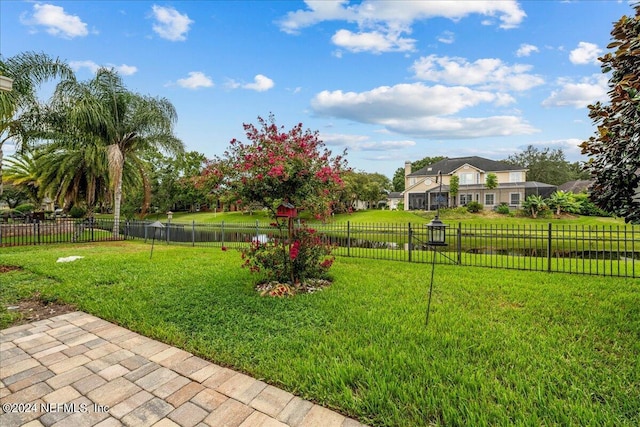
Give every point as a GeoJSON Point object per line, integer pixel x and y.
{"type": "Point", "coordinates": [188, 414]}
{"type": "Point", "coordinates": [295, 411]}
{"type": "Point", "coordinates": [230, 414]}
{"type": "Point", "coordinates": [45, 346]}
{"type": "Point", "coordinates": [102, 351]}
{"type": "Point", "coordinates": [70, 363]}
{"type": "Point", "coordinates": [52, 358]}
{"type": "Point", "coordinates": [113, 392]}
{"type": "Point", "coordinates": [22, 375]}
{"type": "Point", "coordinates": [48, 351]}
{"type": "Point", "coordinates": [39, 374]}
{"type": "Point", "coordinates": [29, 394]}
{"type": "Point", "coordinates": [184, 394]}
{"type": "Point", "coordinates": [142, 371]}
{"type": "Point", "coordinates": [322, 417]}
{"type": "Point", "coordinates": [219, 377]}
{"type": "Point", "coordinates": [204, 373]}
{"type": "Point", "coordinates": [190, 365]}
{"type": "Point", "coordinates": [148, 413]}
{"type": "Point", "coordinates": [169, 354]}
{"type": "Point", "coordinates": [131, 403]}
{"type": "Point", "coordinates": [166, 422]}
{"type": "Point", "coordinates": [88, 383]}
{"type": "Point", "coordinates": [113, 371]}
{"type": "Point", "coordinates": [134, 362]}
{"type": "Point", "coordinates": [156, 379]}
{"type": "Point", "coordinates": [75, 350]}
{"type": "Point", "coordinates": [34, 340]}
{"type": "Point", "coordinates": [209, 399]}
{"type": "Point", "coordinates": [150, 348]}
{"type": "Point", "coordinates": [68, 377]}
{"type": "Point", "coordinates": [109, 422]}
{"type": "Point", "coordinates": [171, 386]}
{"type": "Point", "coordinates": [271, 400]}
{"type": "Point", "coordinates": [22, 365]}
{"type": "Point", "coordinates": [241, 387]}
{"type": "Point", "coordinates": [258, 419]}
{"type": "Point", "coordinates": [63, 395]}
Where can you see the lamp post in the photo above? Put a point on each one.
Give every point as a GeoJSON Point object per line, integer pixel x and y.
{"type": "Point", "coordinates": [437, 236]}
{"type": "Point", "coordinates": [156, 226]}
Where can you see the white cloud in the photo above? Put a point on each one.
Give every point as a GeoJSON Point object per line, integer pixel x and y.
{"type": "Point", "coordinates": [170, 24]}
{"type": "Point", "coordinates": [447, 37]}
{"type": "Point", "coordinates": [408, 100]}
{"type": "Point", "coordinates": [363, 143]}
{"type": "Point", "coordinates": [462, 128]}
{"type": "Point", "coordinates": [195, 80]}
{"type": "Point", "coordinates": [526, 50]}
{"type": "Point", "coordinates": [57, 22]}
{"type": "Point", "coordinates": [585, 53]}
{"type": "Point", "coordinates": [487, 73]}
{"type": "Point", "coordinates": [578, 94]}
{"type": "Point", "coordinates": [123, 70]}
{"type": "Point", "coordinates": [260, 83]}
{"type": "Point", "coordinates": [382, 24]}
{"type": "Point", "coordinates": [418, 110]}
{"type": "Point", "coordinates": [374, 41]}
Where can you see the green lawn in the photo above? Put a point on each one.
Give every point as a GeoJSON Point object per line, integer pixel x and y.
{"type": "Point", "coordinates": [502, 347]}
{"type": "Point", "coordinates": [389, 217]}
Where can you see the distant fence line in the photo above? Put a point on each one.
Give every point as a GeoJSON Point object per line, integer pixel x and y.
{"type": "Point", "coordinates": [591, 250]}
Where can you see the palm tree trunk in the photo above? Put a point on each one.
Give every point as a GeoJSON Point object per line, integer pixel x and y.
{"type": "Point", "coordinates": [116, 166]}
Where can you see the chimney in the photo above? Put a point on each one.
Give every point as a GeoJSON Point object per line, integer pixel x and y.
{"type": "Point", "coordinates": [407, 168]}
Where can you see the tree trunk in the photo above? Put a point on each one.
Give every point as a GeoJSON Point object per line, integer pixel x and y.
{"type": "Point", "coordinates": [116, 166]}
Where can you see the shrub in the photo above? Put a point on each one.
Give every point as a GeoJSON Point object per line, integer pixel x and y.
{"type": "Point", "coordinates": [77, 212]}
{"type": "Point", "coordinates": [305, 257]}
{"type": "Point", "coordinates": [25, 207]}
{"type": "Point", "coordinates": [503, 209]}
{"type": "Point", "coordinates": [474, 207]}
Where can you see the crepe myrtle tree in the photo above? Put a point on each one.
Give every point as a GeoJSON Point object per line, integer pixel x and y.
{"type": "Point", "coordinates": [278, 166]}
{"type": "Point", "coordinates": [614, 152]}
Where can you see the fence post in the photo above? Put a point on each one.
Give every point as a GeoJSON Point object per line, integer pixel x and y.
{"type": "Point", "coordinates": [257, 229]}
{"type": "Point", "coordinates": [459, 243]}
{"type": "Point", "coordinates": [348, 238]}
{"type": "Point", "coordinates": [36, 225]}
{"type": "Point", "coordinates": [409, 236]}
{"type": "Point", "coordinates": [549, 249]}
{"type": "Point", "coordinates": [193, 233]}
{"type": "Point", "coordinates": [222, 229]}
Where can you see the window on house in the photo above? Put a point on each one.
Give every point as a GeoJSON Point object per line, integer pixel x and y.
{"type": "Point", "coordinates": [489, 199]}
{"type": "Point", "coordinates": [467, 178]}
{"type": "Point", "coordinates": [412, 181]}
{"type": "Point", "coordinates": [514, 199]}
{"type": "Point", "coordinates": [465, 198]}
{"type": "Point", "coordinates": [516, 177]}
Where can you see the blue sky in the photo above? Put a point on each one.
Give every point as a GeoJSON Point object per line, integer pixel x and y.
{"type": "Point", "coordinates": [387, 80]}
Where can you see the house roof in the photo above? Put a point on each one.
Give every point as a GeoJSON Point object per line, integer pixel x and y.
{"type": "Point", "coordinates": [395, 195]}
{"type": "Point", "coordinates": [447, 166]}
{"type": "Point", "coordinates": [576, 186]}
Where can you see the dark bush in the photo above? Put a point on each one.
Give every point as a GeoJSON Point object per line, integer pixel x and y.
{"type": "Point", "coordinates": [77, 212]}
{"type": "Point", "coordinates": [474, 207]}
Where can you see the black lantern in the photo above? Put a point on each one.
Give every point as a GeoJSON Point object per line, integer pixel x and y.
{"type": "Point", "coordinates": [437, 232]}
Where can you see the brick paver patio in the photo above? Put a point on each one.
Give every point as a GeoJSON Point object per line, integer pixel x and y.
{"type": "Point", "coordinates": [79, 370]}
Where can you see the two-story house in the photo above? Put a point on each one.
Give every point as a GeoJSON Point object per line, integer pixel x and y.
{"type": "Point", "coordinates": [423, 192]}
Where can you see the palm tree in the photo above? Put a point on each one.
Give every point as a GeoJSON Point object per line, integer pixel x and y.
{"type": "Point", "coordinates": [126, 123]}
{"type": "Point", "coordinates": [22, 172]}
{"type": "Point", "coordinates": [19, 108]}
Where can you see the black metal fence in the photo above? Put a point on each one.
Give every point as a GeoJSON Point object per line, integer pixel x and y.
{"type": "Point", "coordinates": [590, 250]}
